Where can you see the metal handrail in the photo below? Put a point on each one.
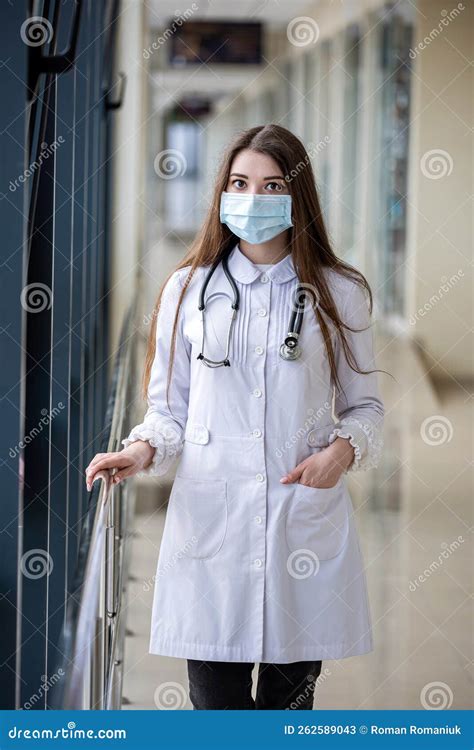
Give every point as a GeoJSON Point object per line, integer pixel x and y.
{"type": "Point", "coordinates": [87, 656]}
{"type": "Point", "coordinates": [92, 641]}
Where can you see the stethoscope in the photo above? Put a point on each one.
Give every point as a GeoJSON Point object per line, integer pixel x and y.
{"type": "Point", "coordinates": [289, 350]}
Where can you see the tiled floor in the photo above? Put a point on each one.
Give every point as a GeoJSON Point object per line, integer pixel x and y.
{"type": "Point", "coordinates": [409, 511]}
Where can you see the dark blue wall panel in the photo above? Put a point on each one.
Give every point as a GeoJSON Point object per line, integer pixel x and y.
{"type": "Point", "coordinates": [54, 335]}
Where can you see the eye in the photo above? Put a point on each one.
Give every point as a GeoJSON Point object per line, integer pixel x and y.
{"type": "Point", "coordinates": [274, 187]}
{"type": "Point", "coordinates": [238, 183]}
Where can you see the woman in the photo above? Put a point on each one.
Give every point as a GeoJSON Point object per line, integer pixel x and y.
{"type": "Point", "coordinates": [259, 560]}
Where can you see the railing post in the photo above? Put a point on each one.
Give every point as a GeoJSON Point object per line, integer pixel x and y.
{"type": "Point", "coordinates": [110, 561]}
{"type": "Point", "coordinates": [97, 666]}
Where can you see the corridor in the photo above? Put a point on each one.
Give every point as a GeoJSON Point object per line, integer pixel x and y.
{"type": "Point", "coordinates": [116, 116]}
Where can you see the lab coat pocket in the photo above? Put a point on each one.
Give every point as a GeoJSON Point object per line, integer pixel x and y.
{"type": "Point", "coordinates": [198, 508]}
{"type": "Point", "coordinates": [318, 519]}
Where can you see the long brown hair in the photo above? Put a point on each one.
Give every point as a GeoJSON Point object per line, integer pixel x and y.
{"type": "Point", "coordinates": [308, 240]}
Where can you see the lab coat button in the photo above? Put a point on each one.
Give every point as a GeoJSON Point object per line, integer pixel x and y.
{"type": "Point", "coordinates": [258, 563]}
{"type": "Point", "coordinates": [257, 392]}
{"type": "Point", "coordinates": [257, 433]}
{"type": "Point", "coordinates": [262, 312]}
{"type": "Point", "coordinates": [259, 477]}
{"type": "Point", "coordinates": [259, 350]}
{"type": "Point", "coordinates": [258, 519]}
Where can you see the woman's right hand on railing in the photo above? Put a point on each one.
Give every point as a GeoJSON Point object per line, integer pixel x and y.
{"type": "Point", "coordinates": [136, 457]}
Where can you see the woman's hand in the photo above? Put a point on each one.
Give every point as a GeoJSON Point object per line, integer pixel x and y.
{"type": "Point", "coordinates": [129, 461]}
{"type": "Point", "coordinates": [323, 469]}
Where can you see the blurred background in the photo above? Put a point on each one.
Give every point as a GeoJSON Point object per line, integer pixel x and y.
{"type": "Point", "coordinates": [114, 117]}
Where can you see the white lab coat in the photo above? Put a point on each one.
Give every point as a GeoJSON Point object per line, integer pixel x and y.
{"type": "Point", "coordinates": [251, 569]}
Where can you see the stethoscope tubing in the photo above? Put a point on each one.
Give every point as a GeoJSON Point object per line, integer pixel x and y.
{"type": "Point", "coordinates": [289, 349]}
{"type": "Point", "coordinates": [230, 278]}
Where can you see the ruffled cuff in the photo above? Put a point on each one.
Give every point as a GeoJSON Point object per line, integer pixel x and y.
{"type": "Point", "coordinates": [166, 438]}
{"type": "Point", "coordinates": [366, 439]}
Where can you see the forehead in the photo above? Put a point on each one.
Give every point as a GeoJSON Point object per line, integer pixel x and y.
{"type": "Point", "coordinates": [255, 164]}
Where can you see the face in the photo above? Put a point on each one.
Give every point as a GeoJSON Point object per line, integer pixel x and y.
{"type": "Point", "coordinates": [252, 172]}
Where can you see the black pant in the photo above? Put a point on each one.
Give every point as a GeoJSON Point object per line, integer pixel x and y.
{"type": "Point", "coordinates": [227, 685]}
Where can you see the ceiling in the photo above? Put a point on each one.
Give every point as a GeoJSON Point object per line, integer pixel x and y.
{"type": "Point", "coordinates": [271, 12]}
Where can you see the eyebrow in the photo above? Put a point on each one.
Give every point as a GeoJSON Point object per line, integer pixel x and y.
{"type": "Point", "coordinates": [271, 177]}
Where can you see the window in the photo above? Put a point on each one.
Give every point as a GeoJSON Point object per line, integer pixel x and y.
{"type": "Point", "coordinates": [391, 157]}
{"type": "Point", "coordinates": [322, 159]}
{"type": "Point", "coordinates": [350, 131]}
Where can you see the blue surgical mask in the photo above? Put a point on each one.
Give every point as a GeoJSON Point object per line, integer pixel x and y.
{"type": "Point", "coordinates": [256, 218]}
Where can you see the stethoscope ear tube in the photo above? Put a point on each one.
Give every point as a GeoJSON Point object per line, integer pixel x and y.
{"type": "Point", "coordinates": [230, 278]}
{"type": "Point", "coordinates": [202, 293]}
{"type": "Point", "coordinates": [235, 291]}
{"type": "Point", "coordinates": [213, 363]}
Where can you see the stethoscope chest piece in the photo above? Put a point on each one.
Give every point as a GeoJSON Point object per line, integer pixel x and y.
{"type": "Point", "coordinates": [290, 350]}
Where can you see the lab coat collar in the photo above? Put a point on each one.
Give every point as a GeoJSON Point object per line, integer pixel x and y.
{"type": "Point", "coordinates": [243, 270]}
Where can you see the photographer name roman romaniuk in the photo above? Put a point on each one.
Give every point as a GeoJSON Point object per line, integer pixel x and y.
{"type": "Point", "coordinates": [412, 729]}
